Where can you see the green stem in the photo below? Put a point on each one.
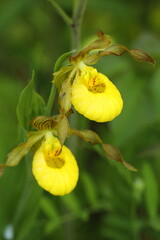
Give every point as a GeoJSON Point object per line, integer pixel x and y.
{"type": "Point", "coordinates": [75, 22]}
{"type": "Point", "coordinates": [78, 13]}
{"type": "Point", "coordinates": [61, 12]}
{"type": "Point", "coordinates": [50, 100]}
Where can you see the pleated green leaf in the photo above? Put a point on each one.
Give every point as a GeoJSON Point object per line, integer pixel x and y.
{"type": "Point", "coordinates": [30, 105]}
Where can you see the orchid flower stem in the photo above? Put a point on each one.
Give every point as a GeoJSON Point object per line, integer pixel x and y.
{"type": "Point", "coordinates": [50, 100]}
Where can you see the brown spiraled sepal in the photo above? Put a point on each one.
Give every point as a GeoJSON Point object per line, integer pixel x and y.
{"type": "Point", "coordinates": [119, 50]}
{"type": "Point", "coordinates": [43, 123]}
{"type": "Point", "coordinates": [114, 154]}
{"type": "Point", "coordinates": [109, 150]}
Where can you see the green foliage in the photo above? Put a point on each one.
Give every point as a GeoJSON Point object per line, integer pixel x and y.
{"type": "Point", "coordinates": [30, 105]}
{"type": "Point", "coordinates": [27, 209]}
{"type": "Point", "coordinates": [151, 191]}
{"type": "Point", "coordinates": [9, 91]}
{"type": "Point", "coordinates": [62, 75]}
{"type": "Point", "coordinates": [62, 60]}
{"type": "Point", "coordinates": [90, 190]}
{"type": "Point", "coordinates": [51, 212]}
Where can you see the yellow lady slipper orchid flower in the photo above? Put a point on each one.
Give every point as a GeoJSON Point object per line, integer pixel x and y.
{"type": "Point", "coordinates": [55, 167]}
{"type": "Point", "coordinates": [95, 96]}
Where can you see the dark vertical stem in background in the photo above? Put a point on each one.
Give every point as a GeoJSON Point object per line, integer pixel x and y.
{"type": "Point", "coordinates": [77, 18]}
{"type": "Point", "coordinates": [75, 22]}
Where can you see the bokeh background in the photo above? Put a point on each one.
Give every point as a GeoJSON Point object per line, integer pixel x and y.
{"type": "Point", "coordinates": [109, 202]}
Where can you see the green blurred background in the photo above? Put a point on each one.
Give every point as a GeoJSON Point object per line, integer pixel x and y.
{"type": "Point", "coordinates": [109, 202]}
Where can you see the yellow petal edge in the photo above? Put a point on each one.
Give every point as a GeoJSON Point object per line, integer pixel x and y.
{"type": "Point", "coordinates": [57, 174]}
{"type": "Point", "coordinates": [95, 96]}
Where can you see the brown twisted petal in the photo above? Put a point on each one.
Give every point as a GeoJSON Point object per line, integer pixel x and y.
{"type": "Point", "coordinates": [43, 123]}
{"type": "Point", "coordinates": [102, 42]}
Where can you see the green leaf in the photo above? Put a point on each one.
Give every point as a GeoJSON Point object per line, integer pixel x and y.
{"type": "Point", "coordinates": [61, 72]}
{"type": "Point", "coordinates": [30, 105]}
{"type": "Point", "coordinates": [116, 227]}
{"type": "Point", "coordinates": [90, 189]}
{"type": "Point", "coordinates": [62, 75]}
{"type": "Point", "coordinates": [151, 191]}
{"type": "Point", "coordinates": [48, 207]}
{"type": "Point", "coordinates": [27, 209]}
{"type": "Point", "coordinates": [71, 202]}
{"type": "Point", "coordinates": [60, 61]}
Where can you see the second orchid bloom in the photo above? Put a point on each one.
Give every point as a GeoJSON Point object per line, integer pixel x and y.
{"type": "Point", "coordinates": [95, 96]}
